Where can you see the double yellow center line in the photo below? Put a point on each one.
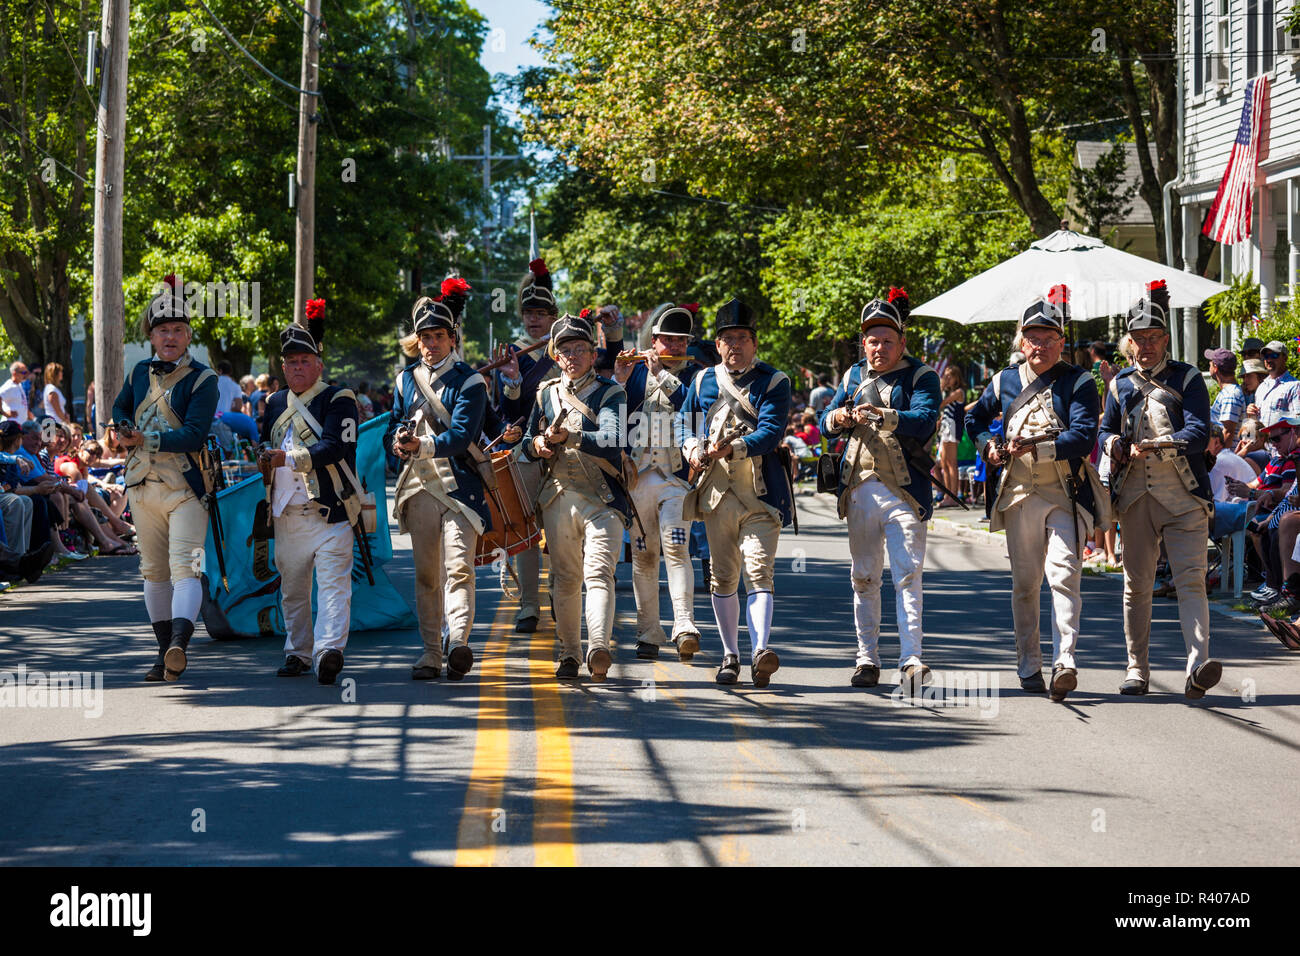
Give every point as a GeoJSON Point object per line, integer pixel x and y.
{"type": "Point", "coordinates": [483, 824]}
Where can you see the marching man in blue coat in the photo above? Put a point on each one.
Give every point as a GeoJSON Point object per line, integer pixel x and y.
{"type": "Point", "coordinates": [888, 404]}
{"type": "Point", "coordinates": [1050, 497]}
{"type": "Point", "coordinates": [168, 404]}
{"type": "Point", "coordinates": [440, 499]}
{"type": "Point", "coordinates": [575, 432]}
{"type": "Point", "coordinates": [1155, 429]}
{"type": "Point", "coordinates": [310, 433]}
{"type": "Point", "coordinates": [655, 394]}
{"type": "Point", "coordinates": [736, 413]}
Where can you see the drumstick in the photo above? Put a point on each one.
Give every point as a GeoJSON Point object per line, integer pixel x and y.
{"type": "Point", "coordinates": [515, 424]}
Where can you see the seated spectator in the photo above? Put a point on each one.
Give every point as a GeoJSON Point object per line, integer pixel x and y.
{"type": "Point", "coordinates": [96, 467]}
{"type": "Point", "coordinates": [1230, 404]}
{"type": "Point", "coordinates": [366, 406]}
{"type": "Point", "coordinates": [20, 478]}
{"type": "Point", "coordinates": [257, 399]}
{"type": "Point", "coordinates": [1226, 464]}
{"type": "Point", "coordinates": [247, 385]}
{"type": "Point", "coordinates": [808, 431]}
{"type": "Point", "coordinates": [21, 555]}
{"type": "Point", "coordinates": [1275, 489]}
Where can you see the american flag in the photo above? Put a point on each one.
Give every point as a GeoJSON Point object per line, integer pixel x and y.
{"type": "Point", "coordinates": [1229, 218]}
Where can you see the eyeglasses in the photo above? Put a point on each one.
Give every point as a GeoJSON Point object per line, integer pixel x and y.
{"type": "Point", "coordinates": [1268, 354]}
{"type": "Point", "coordinates": [23, 371]}
{"type": "Point", "coordinates": [573, 353]}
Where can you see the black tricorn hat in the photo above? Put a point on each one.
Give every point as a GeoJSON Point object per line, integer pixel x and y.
{"type": "Point", "coordinates": [1152, 310]}
{"type": "Point", "coordinates": [735, 315]}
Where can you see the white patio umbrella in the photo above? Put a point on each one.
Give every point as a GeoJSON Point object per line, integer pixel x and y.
{"type": "Point", "coordinates": [1103, 281]}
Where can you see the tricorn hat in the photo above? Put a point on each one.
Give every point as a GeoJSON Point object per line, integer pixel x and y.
{"type": "Point", "coordinates": [1152, 310]}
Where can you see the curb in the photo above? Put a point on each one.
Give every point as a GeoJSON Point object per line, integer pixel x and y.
{"type": "Point", "coordinates": [1221, 606]}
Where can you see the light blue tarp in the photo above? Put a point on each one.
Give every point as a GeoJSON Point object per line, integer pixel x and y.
{"type": "Point", "coordinates": [252, 607]}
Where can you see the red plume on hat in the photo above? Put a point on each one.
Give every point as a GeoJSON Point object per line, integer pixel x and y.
{"type": "Point", "coordinates": [899, 299]}
{"type": "Point", "coordinates": [1058, 294]}
{"type": "Point", "coordinates": [585, 314]}
{"type": "Point", "coordinates": [691, 307]}
{"type": "Point", "coordinates": [170, 279]}
{"type": "Point", "coordinates": [455, 293]}
{"type": "Point", "coordinates": [1158, 294]}
{"type": "Point", "coordinates": [315, 309]}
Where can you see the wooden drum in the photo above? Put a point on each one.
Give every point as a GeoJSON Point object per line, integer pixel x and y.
{"type": "Point", "coordinates": [514, 524]}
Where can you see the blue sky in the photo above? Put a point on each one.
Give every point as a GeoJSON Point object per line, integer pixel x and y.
{"type": "Point", "coordinates": [517, 19]}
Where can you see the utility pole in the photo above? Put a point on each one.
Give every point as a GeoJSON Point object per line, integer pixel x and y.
{"type": "Point", "coordinates": [486, 157]}
{"type": "Point", "coordinates": [110, 139]}
{"type": "Point", "coordinates": [305, 268]}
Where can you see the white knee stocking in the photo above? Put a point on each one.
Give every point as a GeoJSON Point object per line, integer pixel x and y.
{"type": "Point", "coordinates": [758, 614]}
{"type": "Point", "coordinates": [158, 600]}
{"type": "Point", "coordinates": [726, 610]}
{"type": "Point", "coordinates": [187, 595]}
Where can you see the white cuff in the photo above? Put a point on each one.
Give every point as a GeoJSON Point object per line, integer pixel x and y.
{"type": "Point", "coordinates": [299, 459]}
{"type": "Point", "coordinates": [426, 448]}
{"type": "Point", "coordinates": [739, 449]}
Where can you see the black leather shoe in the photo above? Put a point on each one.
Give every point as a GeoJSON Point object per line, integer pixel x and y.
{"type": "Point", "coordinates": [1202, 679]}
{"type": "Point", "coordinates": [1133, 687]}
{"type": "Point", "coordinates": [647, 651]}
{"type": "Point", "coordinates": [330, 665]}
{"type": "Point", "coordinates": [866, 675]}
{"type": "Point", "coordinates": [32, 564]}
{"type": "Point", "coordinates": [294, 666]}
{"type": "Point", "coordinates": [1034, 684]}
{"type": "Point", "coordinates": [426, 673]}
{"type": "Point", "coordinates": [459, 662]}
{"type": "Point", "coordinates": [729, 670]}
{"type": "Point", "coordinates": [568, 669]}
{"type": "Point", "coordinates": [763, 666]}
{"type": "Point", "coordinates": [174, 661]}
{"type": "Point", "coordinates": [598, 661]}
{"type": "Point", "coordinates": [1064, 680]}
{"type": "Point", "coordinates": [162, 632]}
{"type": "Point", "coordinates": [526, 625]}
{"type": "Point", "coordinates": [688, 645]}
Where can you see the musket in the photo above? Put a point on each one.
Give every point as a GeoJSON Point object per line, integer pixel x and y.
{"type": "Point", "coordinates": [633, 357]}
{"type": "Point", "coordinates": [216, 481]}
{"type": "Point", "coordinates": [505, 359]}
{"type": "Point", "coordinates": [921, 462]}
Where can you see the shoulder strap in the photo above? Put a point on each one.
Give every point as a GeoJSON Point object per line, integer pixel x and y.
{"type": "Point", "coordinates": [296, 406]}
{"type": "Point", "coordinates": [1033, 389]}
{"type": "Point", "coordinates": [738, 403]}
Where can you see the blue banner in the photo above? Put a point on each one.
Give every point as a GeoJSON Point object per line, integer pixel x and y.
{"type": "Point", "coordinates": [252, 608]}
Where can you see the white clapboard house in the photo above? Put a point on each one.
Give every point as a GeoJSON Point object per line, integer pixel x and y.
{"type": "Point", "coordinates": [1222, 45]}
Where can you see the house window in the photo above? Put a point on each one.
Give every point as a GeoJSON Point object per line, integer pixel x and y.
{"type": "Point", "coordinates": [1283, 40]}
{"type": "Point", "coordinates": [1219, 63]}
{"type": "Point", "coordinates": [1261, 36]}
{"type": "Point", "coordinates": [1198, 47]}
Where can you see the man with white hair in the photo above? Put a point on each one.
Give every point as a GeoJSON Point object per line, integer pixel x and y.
{"type": "Point", "coordinates": [13, 399]}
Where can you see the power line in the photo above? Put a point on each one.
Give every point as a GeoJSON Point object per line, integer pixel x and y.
{"type": "Point", "coordinates": [231, 37]}
{"type": "Point", "coordinates": [19, 134]}
{"type": "Point", "coordinates": [76, 70]}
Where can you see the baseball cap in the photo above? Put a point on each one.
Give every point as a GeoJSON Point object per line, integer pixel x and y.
{"type": "Point", "coordinates": [1275, 346]}
{"type": "Point", "coordinates": [1222, 358]}
{"type": "Point", "coordinates": [1252, 345]}
{"type": "Point", "coordinates": [10, 428]}
{"type": "Point", "coordinates": [1283, 423]}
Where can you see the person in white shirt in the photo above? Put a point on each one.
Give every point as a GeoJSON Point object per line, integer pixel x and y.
{"type": "Point", "coordinates": [1227, 464]}
{"type": "Point", "coordinates": [13, 399]}
{"type": "Point", "coordinates": [229, 395]}
{"type": "Point", "coordinates": [56, 406]}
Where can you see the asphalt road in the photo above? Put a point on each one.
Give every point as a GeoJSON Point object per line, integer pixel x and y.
{"type": "Point", "coordinates": [657, 765]}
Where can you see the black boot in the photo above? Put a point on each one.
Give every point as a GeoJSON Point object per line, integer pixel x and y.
{"type": "Point", "coordinates": [163, 632]}
{"type": "Point", "coordinates": [174, 660]}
